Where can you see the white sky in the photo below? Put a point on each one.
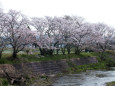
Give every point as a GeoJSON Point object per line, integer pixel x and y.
{"type": "Point", "coordinates": [92, 10]}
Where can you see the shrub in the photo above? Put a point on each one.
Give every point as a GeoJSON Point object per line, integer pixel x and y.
{"type": "Point", "coordinates": [4, 82]}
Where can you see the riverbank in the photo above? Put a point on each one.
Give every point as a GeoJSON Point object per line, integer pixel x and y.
{"type": "Point", "coordinates": [45, 72]}
{"type": "Point", "coordinates": [42, 72]}
{"type": "Point", "coordinates": [52, 67]}
{"type": "Point", "coordinates": [111, 83]}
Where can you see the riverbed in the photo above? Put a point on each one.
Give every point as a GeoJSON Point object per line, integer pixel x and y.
{"type": "Point", "coordinates": [88, 78]}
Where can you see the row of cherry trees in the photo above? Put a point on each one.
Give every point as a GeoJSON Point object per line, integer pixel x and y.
{"type": "Point", "coordinates": [52, 33]}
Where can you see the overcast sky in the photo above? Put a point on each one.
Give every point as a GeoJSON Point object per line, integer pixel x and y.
{"type": "Point", "coordinates": [92, 10]}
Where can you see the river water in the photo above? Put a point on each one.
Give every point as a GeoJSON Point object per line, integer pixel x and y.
{"type": "Point", "coordinates": [88, 78]}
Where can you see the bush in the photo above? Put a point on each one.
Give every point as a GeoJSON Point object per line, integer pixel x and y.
{"type": "Point", "coordinates": [110, 62]}
{"type": "Point", "coordinates": [3, 61]}
{"type": "Point", "coordinates": [4, 82]}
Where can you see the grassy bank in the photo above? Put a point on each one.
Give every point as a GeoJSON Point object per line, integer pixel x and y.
{"type": "Point", "coordinates": [111, 83]}
{"type": "Point", "coordinates": [36, 58]}
{"type": "Point", "coordinates": [3, 82]}
{"type": "Point", "coordinates": [82, 68]}
{"type": "Point", "coordinates": [109, 61]}
{"type": "Point", "coordinates": [109, 57]}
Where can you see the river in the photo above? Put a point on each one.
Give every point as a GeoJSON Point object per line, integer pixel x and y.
{"type": "Point", "coordinates": [88, 78]}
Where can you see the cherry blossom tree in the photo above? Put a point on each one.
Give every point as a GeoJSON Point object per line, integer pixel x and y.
{"type": "Point", "coordinates": [42, 40]}
{"type": "Point", "coordinates": [3, 39]}
{"type": "Point", "coordinates": [17, 31]}
{"type": "Point", "coordinates": [54, 31]}
{"type": "Point", "coordinates": [43, 36]}
{"type": "Point", "coordinates": [81, 37]}
{"type": "Point", "coordinates": [104, 36]}
{"type": "Point", "coordinates": [65, 33]}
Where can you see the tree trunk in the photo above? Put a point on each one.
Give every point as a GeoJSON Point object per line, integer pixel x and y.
{"type": "Point", "coordinates": [68, 50]}
{"type": "Point", "coordinates": [51, 52]}
{"type": "Point", "coordinates": [77, 51]}
{"type": "Point", "coordinates": [14, 55]}
{"type": "Point", "coordinates": [41, 51]}
{"type": "Point", "coordinates": [0, 54]}
{"type": "Point", "coordinates": [68, 47]}
{"type": "Point", "coordinates": [63, 51]}
{"type": "Point", "coordinates": [57, 51]}
{"type": "Point", "coordinates": [102, 55]}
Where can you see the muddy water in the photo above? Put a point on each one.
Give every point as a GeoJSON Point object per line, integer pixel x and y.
{"type": "Point", "coordinates": [89, 78]}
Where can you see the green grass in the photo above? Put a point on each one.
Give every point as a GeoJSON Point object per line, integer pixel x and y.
{"type": "Point", "coordinates": [3, 82]}
{"type": "Point", "coordinates": [110, 83]}
{"type": "Point", "coordinates": [23, 57]}
{"type": "Point", "coordinates": [34, 58]}
{"type": "Point", "coordinates": [73, 68]}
